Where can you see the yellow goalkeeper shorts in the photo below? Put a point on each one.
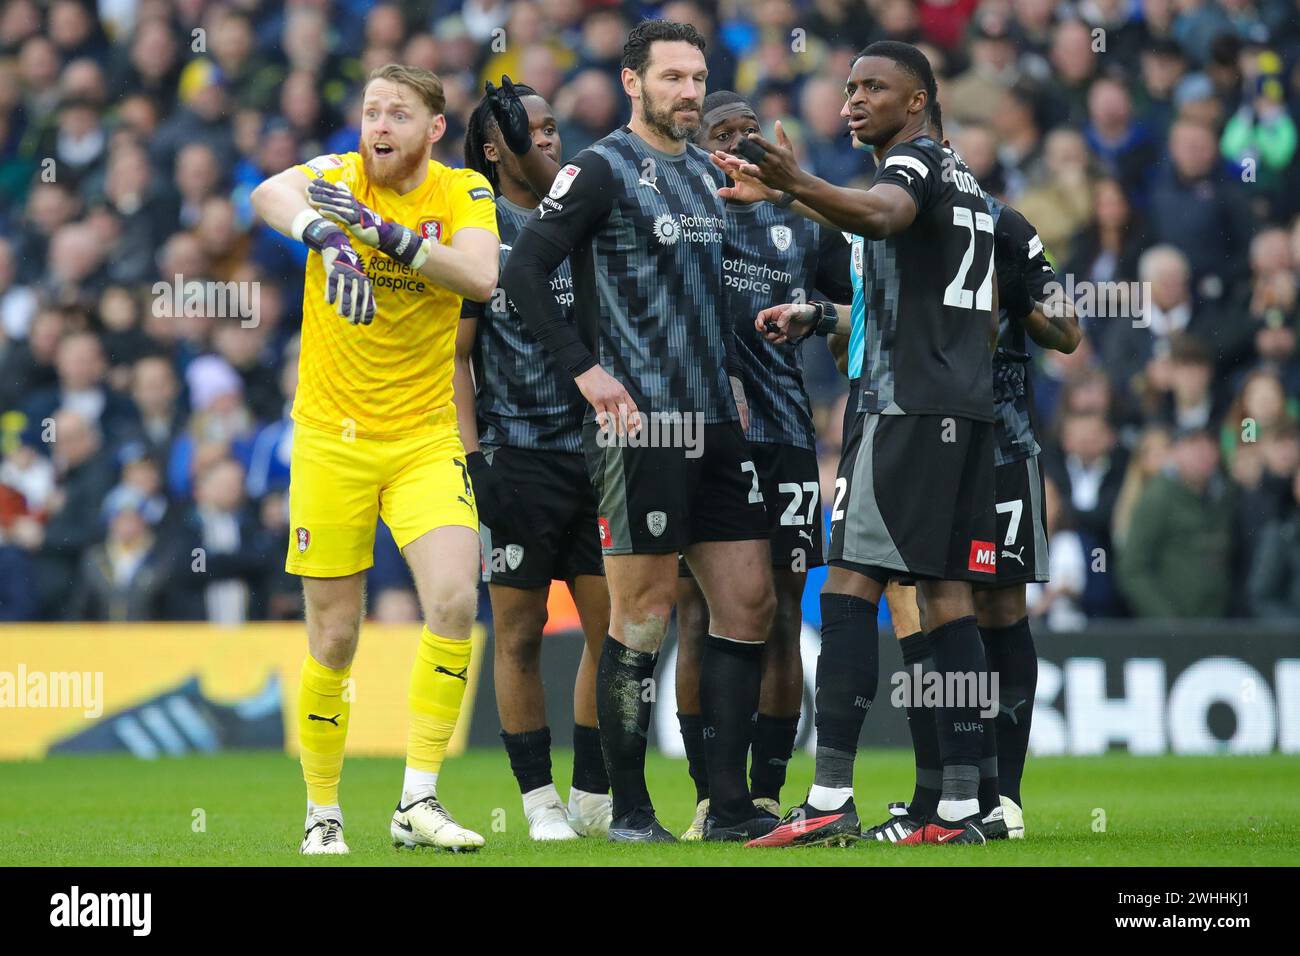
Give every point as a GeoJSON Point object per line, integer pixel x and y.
{"type": "Point", "coordinates": [340, 484]}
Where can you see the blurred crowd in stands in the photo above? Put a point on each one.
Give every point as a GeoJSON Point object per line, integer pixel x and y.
{"type": "Point", "coordinates": [145, 440]}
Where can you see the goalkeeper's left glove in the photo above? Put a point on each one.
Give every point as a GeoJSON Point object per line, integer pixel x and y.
{"type": "Point", "coordinates": [347, 287]}
{"type": "Point", "coordinates": [511, 115]}
{"type": "Point", "coordinates": [393, 239]}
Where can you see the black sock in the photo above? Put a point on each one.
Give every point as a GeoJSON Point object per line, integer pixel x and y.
{"type": "Point", "coordinates": [1011, 654]}
{"type": "Point", "coordinates": [848, 667]}
{"type": "Point", "coordinates": [588, 762]}
{"type": "Point", "coordinates": [959, 660]}
{"type": "Point", "coordinates": [730, 675]}
{"type": "Point", "coordinates": [773, 746]}
{"type": "Point", "coordinates": [917, 659]}
{"type": "Point", "coordinates": [692, 726]}
{"type": "Point", "coordinates": [623, 709]}
{"type": "Point", "coordinates": [989, 799]}
{"type": "Point", "coordinates": [530, 757]}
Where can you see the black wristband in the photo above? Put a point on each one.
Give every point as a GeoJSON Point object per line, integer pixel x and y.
{"type": "Point", "coordinates": [316, 234]}
{"type": "Point", "coordinates": [785, 202]}
{"type": "Point", "coordinates": [829, 320]}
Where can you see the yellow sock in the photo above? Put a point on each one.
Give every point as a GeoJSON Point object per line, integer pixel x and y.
{"type": "Point", "coordinates": [323, 713]}
{"type": "Point", "coordinates": [437, 688]}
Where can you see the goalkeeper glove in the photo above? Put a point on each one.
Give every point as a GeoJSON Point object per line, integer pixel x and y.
{"type": "Point", "coordinates": [347, 287]}
{"type": "Point", "coordinates": [393, 239]}
{"type": "Point", "coordinates": [511, 116]}
{"type": "Point", "coordinates": [1009, 261]}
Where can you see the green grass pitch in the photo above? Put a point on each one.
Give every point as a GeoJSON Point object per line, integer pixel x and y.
{"type": "Point", "coordinates": [117, 811]}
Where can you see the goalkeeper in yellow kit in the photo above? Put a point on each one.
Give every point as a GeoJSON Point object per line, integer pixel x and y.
{"type": "Point", "coordinates": [397, 241]}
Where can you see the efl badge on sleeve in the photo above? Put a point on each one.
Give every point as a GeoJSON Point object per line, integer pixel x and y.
{"type": "Point", "coordinates": [563, 180]}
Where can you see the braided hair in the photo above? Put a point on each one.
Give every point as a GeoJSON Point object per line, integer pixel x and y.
{"type": "Point", "coordinates": [481, 123]}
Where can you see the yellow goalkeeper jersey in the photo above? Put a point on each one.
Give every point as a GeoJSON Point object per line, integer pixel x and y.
{"type": "Point", "coordinates": [392, 378]}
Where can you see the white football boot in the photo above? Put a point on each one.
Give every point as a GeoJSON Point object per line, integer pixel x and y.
{"type": "Point", "coordinates": [323, 836]}
{"type": "Point", "coordinates": [590, 813]}
{"type": "Point", "coordinates": [425, 822]}
{"type": "Point", "coordinates": [547, 820]}
{"type": "Point", "coordinates": [1015, 819]}
{"type": "Point", "coordinates": [696, 830]}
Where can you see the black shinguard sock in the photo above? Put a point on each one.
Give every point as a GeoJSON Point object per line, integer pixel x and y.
{"type": "Point", "coordinates": [692, 726]}
{"type": "Point", "coordinates": [773, 745]}
{"type": "Point", "coordinates": [848, 667]}
{"type": "Point", "coordinates": [730, 675]}
{"type": "Point", "coordinates": [1011, 654]}
{"type": "Point", "coordinates": [959, 659]}
{"type": "Point", "coordinates": [530, 757]}
{"type": "Point", "coordinates": [623, 709]}
{"type": "Point", "coordinates": [989, 799]}
{"type": "Point", "coordinates": [588, 762]}
{"type": "Point", "coordinates": [918, 658]}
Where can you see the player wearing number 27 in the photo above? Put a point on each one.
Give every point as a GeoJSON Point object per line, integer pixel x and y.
{"type": "Point", "coordinates": [397, 242]}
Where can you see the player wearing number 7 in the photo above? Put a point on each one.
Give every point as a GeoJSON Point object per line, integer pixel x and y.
{"type": "Point", "coordinates": [375, 429]}
{"type": "Point", "coordinates": [914, 495]}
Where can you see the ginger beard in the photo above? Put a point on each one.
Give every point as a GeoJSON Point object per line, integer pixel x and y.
{"type": "Point", "coordinates": [398, 165]}
{"type": "Point", "coordinates": [663, 120]}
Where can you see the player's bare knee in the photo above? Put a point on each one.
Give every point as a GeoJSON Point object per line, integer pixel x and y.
{"type": "Point", "coordinates": [762, 612]}
{"type": "Point", "coordinates": [787, 622]}
{"type": "Point", "coordinates": [644, 627]}
{"type": "Point", "coordinates": [520, 651]}
{"type": "Point", "coordinates": [333, 639]}
{"type": "Point", "coordinates": [944, 601]}
{"type": "Point", "coordinates": [692, 622]}
{"type": "Point", "coordinates": [451, 611]}
{"type": "Point", "coordinates": [1000, 607]}
{"type": "Point", "coordinates": [333, 625]}
{"type": "Point", "coordinates": [518, 632]}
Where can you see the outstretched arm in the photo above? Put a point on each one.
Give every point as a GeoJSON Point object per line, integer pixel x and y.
{"type": "Point", "coordinates": [883, 210]}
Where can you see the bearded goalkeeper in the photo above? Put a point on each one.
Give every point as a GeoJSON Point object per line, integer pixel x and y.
{"type": "Point", "coordinates": [397, 242]}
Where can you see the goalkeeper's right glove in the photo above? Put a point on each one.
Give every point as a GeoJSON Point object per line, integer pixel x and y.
{"type": "Point", "coordinates": [393, 239]}
{"type": "Point", "coordinates": [347, 287]}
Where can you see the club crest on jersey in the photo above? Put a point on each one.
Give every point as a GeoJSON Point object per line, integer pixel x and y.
{"type": "Point", "coordinates": [431, 229]}
{"type": "Point", "coordinates": [563, 180]}
{"type": "Point", "coordinates": [781, 236]}
{"type": "Point", "coordinates": [304, 539]}
{"type": "Point", "coordinates": [983, 557]}
{"type": "Point", "coordinates": [514, 556]}
{"type": "Point", "coordinates": [656, 521]}
{"type": "Point", "coordinates": [666, 229]}
{"type": "Point", "coordinates": [709, 182]}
